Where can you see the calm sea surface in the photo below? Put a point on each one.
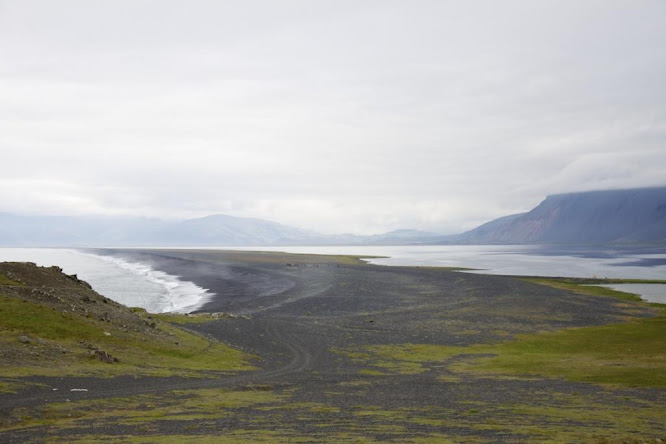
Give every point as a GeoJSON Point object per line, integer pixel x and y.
{"type": "Point", "coordinates": [137, 284]}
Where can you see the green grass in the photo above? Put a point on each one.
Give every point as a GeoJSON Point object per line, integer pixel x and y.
{"type": "Point", "coordinates": [178, 405]}
{"type": "Point", "coordinates": [11, 385]}
{"type": "Point", "coordinates": [33, 319]}
{"type": "Point", "coordinates": [586, 287]}
{"type": "Point", "coordinates": [199, 318]}
{"type": "Point", "coordinates": [628, 354]}
{"type": "Point", "coordinates": [4, 280]}
{"type": "Point", "coordinates": [197, 410]}
{"type": "Point", "coordinates": [226, 437]}
{"type": "Point", "coordinates": [400, 359]}
{"type": "Point", "coordinates": [169, 351]}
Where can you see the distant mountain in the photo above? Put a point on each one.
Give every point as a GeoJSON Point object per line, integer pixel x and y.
{"type": "Point", "coordinates": [214, 230]}
{"type": "Point", "coordinates": [48, 231]}
{"type": "Point", "coordinates": [403, 236]}
{"type": "Point", "coordinates": [221, 230]}
{"type": "Point", "coordinates": [594, 217]}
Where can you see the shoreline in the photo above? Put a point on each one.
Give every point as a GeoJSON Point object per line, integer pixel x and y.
{"type": "Point", "coordinates": [231, 284]}
{"type": "Point", "coordinates": [507, 260]}
{"type": "Point", "coordinates": [211, 285]}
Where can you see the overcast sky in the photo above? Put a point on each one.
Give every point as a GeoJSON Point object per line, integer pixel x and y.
{"type": "Point", "coordinates": [339, 116]}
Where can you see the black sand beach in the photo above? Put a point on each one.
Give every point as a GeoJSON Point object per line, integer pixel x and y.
{"type": "Point", "coordinates": [311, 321]}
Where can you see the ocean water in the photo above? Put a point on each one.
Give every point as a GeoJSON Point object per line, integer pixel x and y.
{"type": "Point", "coordinates": [130, 283]}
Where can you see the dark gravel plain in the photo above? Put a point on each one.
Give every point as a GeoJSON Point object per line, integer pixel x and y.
{"type": "Point", "coordinates": [306, 318]}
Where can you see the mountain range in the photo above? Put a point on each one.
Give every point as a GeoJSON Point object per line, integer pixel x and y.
{"type": "Point", "coordinates": [594, 217]}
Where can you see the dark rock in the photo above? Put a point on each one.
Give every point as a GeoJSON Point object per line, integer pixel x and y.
{"type": "Point", "coordinates": [104, 356]}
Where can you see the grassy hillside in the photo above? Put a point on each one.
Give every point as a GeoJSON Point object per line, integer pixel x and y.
{"type": "Point", "coordinates": [55, 324]}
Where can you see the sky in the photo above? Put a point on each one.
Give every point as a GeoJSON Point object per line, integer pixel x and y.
{"type": "Point", "coordinates": [337, 116]}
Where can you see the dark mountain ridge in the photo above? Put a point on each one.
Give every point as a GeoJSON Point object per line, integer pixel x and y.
{"type": "Point", "coordinates": [593, 217]}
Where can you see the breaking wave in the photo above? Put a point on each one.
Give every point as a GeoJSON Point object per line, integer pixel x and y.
{"type": "Point", "coordinates": [176, 295]}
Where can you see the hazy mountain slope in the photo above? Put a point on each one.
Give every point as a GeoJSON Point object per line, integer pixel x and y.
{"type": "Point", "coordinates": [636, 215]}
{"type": "Point", "coordinates": [40, 231]}
{"type": "Point", "coordinates": [488, 232]}
{"type": "Point", "coordinates": [215, 230]}
{"type": "Point", "coordinates": [109, 231]}
{"type": "Point", "coordinates": [221, 229]}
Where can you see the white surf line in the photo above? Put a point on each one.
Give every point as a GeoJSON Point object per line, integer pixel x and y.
{"type": "Point", "coordinates": [178, 295]}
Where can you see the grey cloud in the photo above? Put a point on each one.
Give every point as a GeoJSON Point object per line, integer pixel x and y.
{"type": "Point", "coordinates": [341, 116]}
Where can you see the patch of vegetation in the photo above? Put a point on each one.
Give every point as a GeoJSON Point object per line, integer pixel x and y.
{"type": "Point", "coordinates": [198, 318]}
{"type": "Point", "coordinates": [179, 405]}
{"type": "Point", "coordinates": [227, 437]}
{"type": "Point", "coordinates": [530, 421]}
{"type": "Point", "coordinates": [312, 407]}
{"type": "Point", "coordinates": [68, 341]}
{"type": "Point", "coordinates": [400, 359]}
{"type": "Point", "coordinates": [628, 354]}
{"type": "Point", "coordinates": [544, 417]}
{"type": "Point", "coordinates": [11, 385]}
{"type": "Point", "coordinates": [29, 318]}
{"type": "Point", "coordinates": [5, 280]}
{"type": "Point", "coordinates": [371, 372]}
{"type": "Point", "coordinates": [610, 422]}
